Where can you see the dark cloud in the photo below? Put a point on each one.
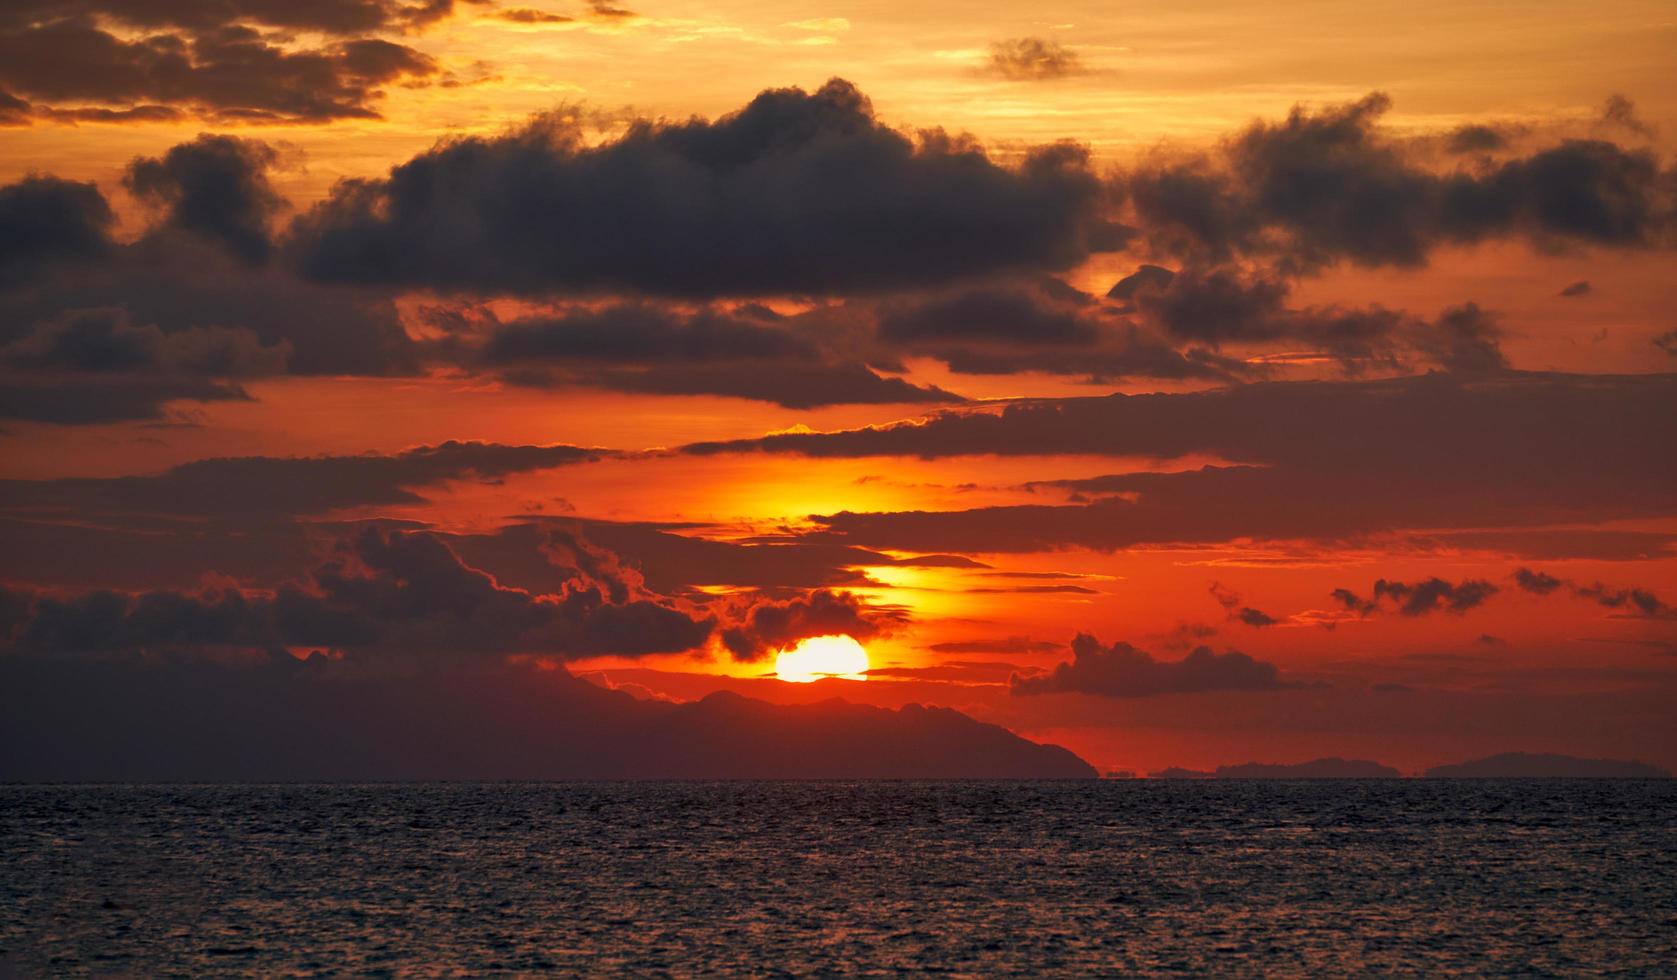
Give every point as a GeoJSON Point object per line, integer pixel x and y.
{"type": "Point", "coordinates": [1237, 612]}
{"type": "Point", "coordinates": [1047, 327]}
{"type": "Point", "coordinates": [1620, 112]}
{"type": "Point", "coordinates": [1667, 342]}
{"type": "Point", "coordinates": [263, 488]}
{"type": "Point", "coordinates": [1122, 671]}
{"type": "Point", "coordinates": [1224, 305]}
{"type": "Point", "coordinates": [389, 592]}
{"type": "Point", "coordinates": [1434, 594]}
{"type": "Point", "coordinates": [105, 342]}
{"type": "Point", "coordinates": [797, 192]}
{"type": "Point", "coordinates": [1633, 600]}
{"type": "Point", "coordinates": [528, 15]}
{"type": "Point", "coordinates": [326, 16]}
{"type": "Point", "coordinates": [1465, 340]}
{"type": "Point", "coordinates": [1008, 317]}
{"type": "Point", "coordinates": [1322, 187]}
{"type": "Point", "coordinates": [182, 282]}
{"type": "Point", "coordinates": [1145, 277]}
{"type": "Point", "coordinates": [1024, 59]}
{"type": "Point", "coordinates": [1420, 598]}
{"type": "Point", "coordinates": [1012, 645]}
{"type": "Point", "coordinates": [45, 220]}
{"type": "Point", "coordinates": [1477, 138]}
{"type": "Point", "coordinates": [655, 350]}
{"type": "Point", "coordinates": [1637, 600]}
{"type": "Point", "coordinates": [1537, 583]}
{"type": "Point", "coordinates": [1430, 452]}
{"type": "Point", "coordinates": [216, 186]}
{"type": "Point", "coordinates": [759, 626]}
{"type": "Point", "coordinates": [1579, 288]}
{"type": "Point", "coordinates": [95, 401]}
{"type": "Point", "coordinates": [225, 70]}
{"type": "Point", "coordinates": [792, 385]}
{"type": "Point", "coordinates": [93, 366]}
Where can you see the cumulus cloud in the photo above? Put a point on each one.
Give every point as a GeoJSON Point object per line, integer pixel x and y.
{"type": "Point", "coordinates": [1123, 671]}
{"type": "Point", "coordinates": [1330, 185]}
{"type": "Point", "coordinates": [797, 192]}
{"type": "Point", "coordinates": [216, 186]}
{"type": "Point", "coordinates": [44, 220]}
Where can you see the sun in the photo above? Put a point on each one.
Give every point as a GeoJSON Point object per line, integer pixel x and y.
{"type": "Point", "coordinates": [822, 656]}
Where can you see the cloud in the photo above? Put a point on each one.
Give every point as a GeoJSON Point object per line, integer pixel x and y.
{"type": "Point", "coordinates": [1434, 594]}
{"type": "Point", "coordinates": [44, 220]}
{"type": "Point", "coordinates": [388, 593]}
{"type": "Point", "coordinates": [758, 626]}
{"type": "Point", "coordinates": [1434, 453]}
{"type": "Point", "coordinates": [197, 271]}
{"type": "Point", "coordinates": [226, 70]}
{"type": "Point", "coordinates": [1032, 59]}
{"type": "Point", "coordinates": [1537, 583]}
{"type": "Point", "coordinates": [103, 341]}
{"type": "Point", "coordinates": [797, 192]}
{"type": "Point", "coordinates": [1329, 186]}
{"type": "Point", "coordinates": [333, 17]}
{"type": "Point", "coordinates": [1045, 326]}
{"type": "Point", "coordinates": [1012, 645]}
{"type": "Point", "coordinates": [657, 350]}
{"type": "Point", "coordinates": [1620, 112]}
{"type": "Point", "coordinates": [263, 488]}
{"type": "Point", "coordinates": [1230, 601]}
{"type": "Point", "coordinates": [1579, 288]}
{"type": "Point", "coordinates": [528, 15]}
{"type": "Point", "coordinates": [1634, 600]}
{"type": "Point", "coordinates": [1122, 671]}
{"type": "Point", "coordinates": [1477, 138]}
{"type": "Point", "coordinates": [92, 366]}
{"type": "Point", "coordinates": [215, 186]}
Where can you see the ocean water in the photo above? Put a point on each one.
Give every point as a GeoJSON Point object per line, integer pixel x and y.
{"type": "Point", "coordinates": [1546, 877]}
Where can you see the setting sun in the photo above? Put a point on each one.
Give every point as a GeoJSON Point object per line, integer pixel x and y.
{"type": "Point", "coordinates": [822, 656]}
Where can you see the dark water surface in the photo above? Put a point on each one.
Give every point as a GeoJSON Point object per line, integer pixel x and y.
{"type": "Point", "coordinates": [981, 878]}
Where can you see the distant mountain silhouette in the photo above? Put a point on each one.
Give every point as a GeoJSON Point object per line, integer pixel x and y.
{"type": "Point", "coordinates": [1334, 768]}
{"type": "Point", "coordinates": [1540, 765]}
{"type": "Point", "coordinates": [201, 722]}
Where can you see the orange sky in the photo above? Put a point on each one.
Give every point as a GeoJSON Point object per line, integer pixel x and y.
{"type": "Point", "coordinates": [1560, 671]}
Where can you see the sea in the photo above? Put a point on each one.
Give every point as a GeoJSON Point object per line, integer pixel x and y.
{"type": "Point", "coordinates": [1347, 877]}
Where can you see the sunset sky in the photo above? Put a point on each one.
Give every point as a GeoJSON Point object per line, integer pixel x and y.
{"type": "Point", "coordinates": [1181, 383]}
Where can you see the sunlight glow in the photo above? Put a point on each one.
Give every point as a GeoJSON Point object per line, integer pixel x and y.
{"type": "Point", "coordinates": [822, 656]}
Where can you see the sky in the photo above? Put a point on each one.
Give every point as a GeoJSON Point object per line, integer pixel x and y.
{"type": "Point", "coordinates": [1182, 384]}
